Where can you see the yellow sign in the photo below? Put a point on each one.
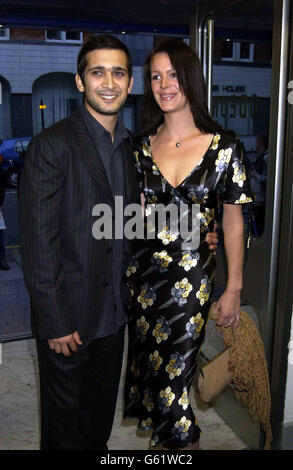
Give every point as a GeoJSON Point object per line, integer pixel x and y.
{"type": "Point", "coordinates": [42, 106]}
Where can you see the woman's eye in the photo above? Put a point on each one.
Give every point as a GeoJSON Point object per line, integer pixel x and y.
{"type": "Point", "coordinates": [173, 75]}
{"type": "Point", "coordinates": [155, 77]}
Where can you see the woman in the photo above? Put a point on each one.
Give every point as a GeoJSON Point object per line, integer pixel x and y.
{"type": "Point", "coordinates": [183, 158]}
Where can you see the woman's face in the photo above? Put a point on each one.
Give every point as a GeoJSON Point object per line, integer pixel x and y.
{"type": "Point", "coordinates": [165, 85]}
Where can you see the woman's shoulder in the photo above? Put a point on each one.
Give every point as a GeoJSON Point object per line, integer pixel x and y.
{"type": "Point", "coordinates": [141, 143]}
{"type": "Point", "coordinates": [227, 136]}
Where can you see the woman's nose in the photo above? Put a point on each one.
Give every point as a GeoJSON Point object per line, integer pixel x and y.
{"type": "Point", "coordinates": [164, 81]}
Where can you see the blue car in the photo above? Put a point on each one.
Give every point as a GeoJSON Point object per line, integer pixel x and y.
{"type": "Point", "coordinates": [12, 158]}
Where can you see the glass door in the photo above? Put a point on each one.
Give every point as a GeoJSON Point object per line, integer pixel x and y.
{"type": "Point", "coordinates": [243, 97]}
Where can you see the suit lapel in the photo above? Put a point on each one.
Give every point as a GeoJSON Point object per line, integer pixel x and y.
{"type": "Point", "coordinates": [132, 193]}
{"type": "Point", "coordinates": [88, 153]}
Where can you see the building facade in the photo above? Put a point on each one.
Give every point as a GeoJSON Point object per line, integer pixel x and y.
{"type": "Point", "coordinates": [37, 69]}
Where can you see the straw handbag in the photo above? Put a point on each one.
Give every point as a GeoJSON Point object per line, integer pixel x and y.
{"type": "Point", "coordinates": [215, 376]}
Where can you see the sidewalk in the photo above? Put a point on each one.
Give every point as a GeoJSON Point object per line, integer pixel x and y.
{"type": "Point", "coordinates": [14, 301]}
{"type": "Point", "coordinates": [19, 409]}
{"type": "Point", "coordinates": [19, 387]}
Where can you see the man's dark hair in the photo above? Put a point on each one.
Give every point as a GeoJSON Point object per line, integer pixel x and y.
{"type": "Point", "coordinates": [191, 81]}
{"type": "Point", "coordinates": [102, 41]}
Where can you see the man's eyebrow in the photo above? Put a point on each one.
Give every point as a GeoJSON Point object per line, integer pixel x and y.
{"type": "Point", "coordinates": [101, 67]}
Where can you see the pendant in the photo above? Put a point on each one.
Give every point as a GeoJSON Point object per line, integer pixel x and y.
{"type": "Point", "coordinates": [178, 144]}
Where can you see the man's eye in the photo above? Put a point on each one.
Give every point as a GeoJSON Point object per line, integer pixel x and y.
{"type": "Point", "coordinates": [97, 73]}
{"type": "Point", "coordinates": [119, 74]}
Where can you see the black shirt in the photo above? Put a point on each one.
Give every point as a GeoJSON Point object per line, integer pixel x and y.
{"type": "Point", "coordinates": [111, 153]}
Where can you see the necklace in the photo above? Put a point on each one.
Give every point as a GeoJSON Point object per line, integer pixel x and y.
{"type": "Point", "coordinates": [179, 142]}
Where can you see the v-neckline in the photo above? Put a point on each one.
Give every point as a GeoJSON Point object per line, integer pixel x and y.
{"type": "Point", "coordinates": [190, 173]}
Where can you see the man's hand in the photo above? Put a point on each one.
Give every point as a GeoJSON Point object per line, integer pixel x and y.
{"type": "Point", "coordinates": [66, 344]}
{"type": "Point", "coordinates": [212, 239]}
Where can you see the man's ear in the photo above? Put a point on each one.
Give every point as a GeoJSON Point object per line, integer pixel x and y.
{"type": "Point", "coordinates": [79, 83]}
{"type": "Point", "coordinates": [130, 85]}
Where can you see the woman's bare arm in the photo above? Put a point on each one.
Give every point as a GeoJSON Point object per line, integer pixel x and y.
{"type": "Point", "coordinates": [229, 303]}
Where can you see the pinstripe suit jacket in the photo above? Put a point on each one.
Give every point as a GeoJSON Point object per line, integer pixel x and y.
{"type": "Point", "coordinates": [65, 269]}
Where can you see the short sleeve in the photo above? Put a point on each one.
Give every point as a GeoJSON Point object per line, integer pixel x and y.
{"type": "Point", "coordinates": [236, 187]}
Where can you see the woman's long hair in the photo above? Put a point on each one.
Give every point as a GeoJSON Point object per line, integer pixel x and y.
{"type": "Point", "coordinates": [191, 81]}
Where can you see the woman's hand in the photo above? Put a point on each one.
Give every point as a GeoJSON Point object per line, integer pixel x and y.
{"type": "Point", "coordinates": [228, 307]}
{"type": "Point", "coordinates": [212, 239]}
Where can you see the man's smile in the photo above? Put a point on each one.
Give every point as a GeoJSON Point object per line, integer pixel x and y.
{"type": "Point", "coordinates": [107, 97]}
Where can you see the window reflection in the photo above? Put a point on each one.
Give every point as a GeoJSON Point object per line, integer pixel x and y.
{"type": "Point", "coordinates": [257, 166]}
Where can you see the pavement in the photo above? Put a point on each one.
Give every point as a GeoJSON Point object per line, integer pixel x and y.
{"type": "Point", "coordinates": [19, 381]}
{"type": "Point", "coordinates": [14, 301]}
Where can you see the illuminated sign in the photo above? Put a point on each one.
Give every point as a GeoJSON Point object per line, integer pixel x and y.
{"type": "Point", "coordinates": [233, 106]}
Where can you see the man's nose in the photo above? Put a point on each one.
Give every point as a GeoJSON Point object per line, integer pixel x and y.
{"type": "Point", "coordinates": [109, 81]}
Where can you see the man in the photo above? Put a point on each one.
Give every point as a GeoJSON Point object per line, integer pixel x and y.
{"type": "Point", "coordinates": [3, 265]}
{"type": "Point", "coordinates": [258, 178]}
{"type": "Point", "coordinates": [74, 280]}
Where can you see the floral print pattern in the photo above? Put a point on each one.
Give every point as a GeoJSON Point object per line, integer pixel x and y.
{"type": "Point", "coordinates": [167, 236]}
{"type": "Point", "coordinates": [162, 330]}
{"type": "Point", "coordinates": [161, 260]}
{"type": "Point", "coordinates": [223, 160]}
{"type": "Point", "coordinates": [181, 291]}
{"type": "Point", "coordinates": [199, 194]}
{"type": "Point", "coordinates": [194, 326]}
{"type": "Point", "coordinates": [184, 399]}
{"type": "Point", "coordinates": [146, 424]}
{"type": "Point", "coordinates": [155, 361]}
{"type": "Point", "coordinates": [155, 169]}
{"type": "Point", "coordinates": [239, 173]}
{"type": "Point", "coordinates": [243, 199]}
{"type": "Point", "coordinates": [133, 265]}
{"type": "Point", "coordinates": [189, 260]}
{"type": "Point", "coordinates": [215, 143]}
{"type": "Point", "coordinates": [147, 296]}
{"type": "Point", "coordinates": [142, 327]}
{"type": "Point", "coordinates": [148, 400]}
{"type": "Point", "coordinates": [175, 366]}
{"type": "Point", "coordinates": [171, 288]}
{"type": "Point", "coordinates": [205, 217]}
{"type": "Point", "coordinates": [204, 292]}
{"type": "Point", "coordinates": [181, 428]}
{"type": "Point", "coordinates": [166, 399]}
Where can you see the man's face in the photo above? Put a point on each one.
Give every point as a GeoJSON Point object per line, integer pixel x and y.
{"type": "Point", "coordinates": [258, 145]}
{"type": "Point", "coordinates": [106, 81]}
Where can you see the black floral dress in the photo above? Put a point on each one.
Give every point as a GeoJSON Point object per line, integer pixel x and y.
{"type": "Point", "coordinates": [170, 286]}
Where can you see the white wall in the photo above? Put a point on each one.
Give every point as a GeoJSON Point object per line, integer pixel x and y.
{"type": "Point", "coordinates": [257, 80]}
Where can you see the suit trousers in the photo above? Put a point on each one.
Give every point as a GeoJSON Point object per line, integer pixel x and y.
{"type": "Point", "coordinates": [79, 394]}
